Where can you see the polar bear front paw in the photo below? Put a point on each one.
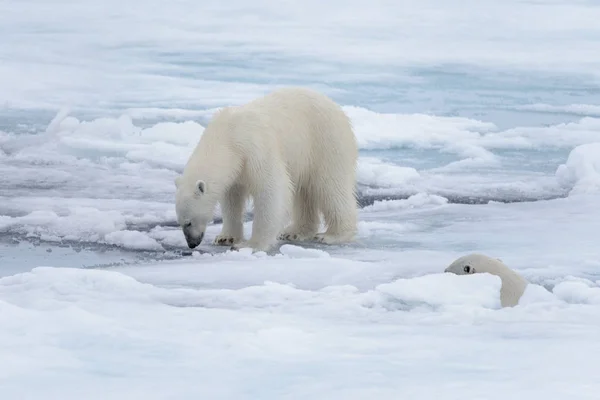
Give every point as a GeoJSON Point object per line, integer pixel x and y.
{"type": "Point", "coordinates": [225, 240]}
{"type": "Point", "coordinates": [294, 236]}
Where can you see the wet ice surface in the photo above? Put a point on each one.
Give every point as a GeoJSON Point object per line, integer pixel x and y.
{"type": "Point", "coordinates": [478, 131]}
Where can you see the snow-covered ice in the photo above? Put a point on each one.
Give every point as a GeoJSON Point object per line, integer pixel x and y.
{"type": "Point", "coordinates": [293, 326]}
{"type": "Point", "coordinates": [479, 131]}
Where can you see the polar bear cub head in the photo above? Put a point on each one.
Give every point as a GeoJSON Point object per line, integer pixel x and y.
{"type": "Point", "coordinates": [194, 208]}
{"type": "Point", "coordinates": [466, 265]}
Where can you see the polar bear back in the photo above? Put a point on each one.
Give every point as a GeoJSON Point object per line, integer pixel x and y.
{"type": "Point", "coordinates": [307, 130]}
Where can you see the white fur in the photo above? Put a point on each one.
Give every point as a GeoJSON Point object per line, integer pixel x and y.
{"type": "Point", "coordinates": [294, 152]}
{"type": "Point", "coordinates": [513, 284]}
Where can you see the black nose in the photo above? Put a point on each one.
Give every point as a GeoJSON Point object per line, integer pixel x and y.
{"type": "Point", "coordinates": [194, 242]}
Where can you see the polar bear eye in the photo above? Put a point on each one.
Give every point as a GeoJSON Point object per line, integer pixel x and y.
{"type": "Point", "coordinates": [467, 269]}
{"type": "Point", "coordinates": [187, 225]}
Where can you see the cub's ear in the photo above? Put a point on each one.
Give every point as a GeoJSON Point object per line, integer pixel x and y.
{"type": "Point", "coordinates": [178, 181]}
{"type": "Point", "coordinates": [201, 186]}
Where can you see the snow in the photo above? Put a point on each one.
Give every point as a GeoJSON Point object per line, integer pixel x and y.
{"type": "Point", "coordinates": [581, 172]}
{"type": "Point", "coordinates": [385, 131]}
{"type": "Point", "coordinates": [371, 319]}
{"type": "Point", "coordinates": [132, 240]}
{"type": "Point", "coordinates": [112, 334]}
{"type": "Point", "coordinates": [478, 132]}
{"type": "Point", "coordinates": [96, 54]}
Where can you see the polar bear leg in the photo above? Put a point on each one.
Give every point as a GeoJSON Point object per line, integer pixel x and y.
{"type": "Point", "coordinates": [337, 201]}
{"type": "Point", "coordinates": [232, 208]}
{"type": "Point", "coordinates": [305, 218]}
{"type": "Point", "coordinates": [271, 197]}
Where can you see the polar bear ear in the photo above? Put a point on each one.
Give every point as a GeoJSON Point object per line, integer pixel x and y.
{"type": "Point", "coordinates": [201, 186]}
{"type": "Point", "coordinates": [178, 181]}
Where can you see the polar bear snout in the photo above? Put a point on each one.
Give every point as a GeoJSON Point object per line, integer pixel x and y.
{"type": "Point", "coordinates": [193, 240]}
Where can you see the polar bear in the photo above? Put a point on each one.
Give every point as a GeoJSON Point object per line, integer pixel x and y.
{"type": "Point", "coordinates": [293, 151]}
{"type": "Point", "coordinates": [513, 284]}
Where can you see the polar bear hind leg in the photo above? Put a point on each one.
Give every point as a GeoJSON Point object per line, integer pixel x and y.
{"type": "Point", "coordinates": [337, 201]}
{"type": "Point", "coordinates": [305, 217]}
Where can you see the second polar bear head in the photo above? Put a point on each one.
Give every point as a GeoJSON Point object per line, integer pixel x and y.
{"type": "Point", "coordinates": [194, 207]}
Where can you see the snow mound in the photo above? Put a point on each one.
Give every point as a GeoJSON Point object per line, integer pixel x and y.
{"type": "Point", "coordinates": [581, 173]}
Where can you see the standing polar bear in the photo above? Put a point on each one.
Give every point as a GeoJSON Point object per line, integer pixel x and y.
{"type": "Point", "coordinates": [293, 151]}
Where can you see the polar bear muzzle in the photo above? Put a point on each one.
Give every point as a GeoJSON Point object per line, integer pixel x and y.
{"type": "Point", "coordinates": [192, 240]}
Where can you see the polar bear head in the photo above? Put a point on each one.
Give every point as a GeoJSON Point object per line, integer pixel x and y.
{"type": "Point", "coordinates": [475, 263]}
{"type": "Point", "coordinates": [194, 207]}
{"type": "Point", "coordinates": [466, 265]}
